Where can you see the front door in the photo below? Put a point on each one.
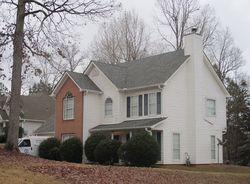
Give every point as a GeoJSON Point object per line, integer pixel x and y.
{"type": "Point", "coordinates": [158, 137]}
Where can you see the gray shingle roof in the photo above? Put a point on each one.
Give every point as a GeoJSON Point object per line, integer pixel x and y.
{"type": "Point", "coordinates": [37, 107]}
{"type": "Point", "coordinates": [48, 126]}
{"type": "Point", "coordinates": [128, 125]}
{"type": "Point", "coordinates": [83, 81]}
{"type": "Point", "coordinates": [143, 72]}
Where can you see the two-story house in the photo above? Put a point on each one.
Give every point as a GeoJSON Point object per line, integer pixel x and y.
{"type": "Point", "coordinates": [177, 97]}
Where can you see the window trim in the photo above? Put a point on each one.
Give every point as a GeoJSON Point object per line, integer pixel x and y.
{"type": "Point", "coordinates": [68, 134]}
{"type": "Point", "coordinates": [213, 147]}
{"type": "Point", "coordinates": [65, 99]}
{"type": "Point", "coordinates": [131, 103]}
{"type": "Point", "coordinates": [206, 107]}
{"type": "Point", "coordinates": [173, 147]}
{"type": "Point", "coordinates": [144, 107]}
{"type": "Point", "coordinates": [105, 107]}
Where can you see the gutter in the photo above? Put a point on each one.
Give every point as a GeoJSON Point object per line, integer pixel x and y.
{"type": "Point", "coordinates": [160, 86]}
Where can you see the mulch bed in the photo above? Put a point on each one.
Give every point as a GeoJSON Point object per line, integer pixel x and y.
{"type": "Point", "coordinates": [95, 174]}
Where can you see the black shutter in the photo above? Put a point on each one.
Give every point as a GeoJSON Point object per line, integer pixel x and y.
{"type": "Point", "coordinates": [128, 106]}
{"type": "Point", "coordinates": [158, 102]}
{"type": "Point", "coordinates": [145, 104]}
{"type": "Point", "coordinates": [140, 105]}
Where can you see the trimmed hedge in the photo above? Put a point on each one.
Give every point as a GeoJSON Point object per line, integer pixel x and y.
{"type": "Point", "coordinates": [71, 150]}
{"type": "Point", "coordinates": [106, 151]}
{"type": "Point", "coordinates": [91, 143]}
{"type": "Point", "coordinates": [141, 150]}
{"type": "Point", "coordinates": [47, 149]}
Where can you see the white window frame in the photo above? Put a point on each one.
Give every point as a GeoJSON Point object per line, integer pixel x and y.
{"type": "Point", "coordinates": [152, 103]}
{"type": "Point", "coordinates": [213, 147]}
{"type": "Point", "coordinates": [176, 147]}
{"type": "Point", "coordinates": [66, 108]}
{"type": "Point", "coordinates": [67, 136]}
{"type": "Point", "coordinates": [108, 107]}
{"type": "Point", "coordinates": [210, 111]}
{"type": "Point", "coordinates": [134, 106]}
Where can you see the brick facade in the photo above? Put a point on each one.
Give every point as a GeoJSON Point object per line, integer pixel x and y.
{"type": "Point", "coordinates": [73, 126]}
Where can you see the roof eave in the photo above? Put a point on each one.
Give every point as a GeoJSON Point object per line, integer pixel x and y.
{"type": "Point", "coordinates": [223, 87]}
{"type": "Point", "coordinates": [160, 86]}
{"type": "Point", "coordinates": [91, 91]}
{"type": "Point", "coordinates": [129, 128]}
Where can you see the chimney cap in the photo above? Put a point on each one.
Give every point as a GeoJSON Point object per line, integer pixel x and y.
{"type": "Point", "coordinates": [194, 29]}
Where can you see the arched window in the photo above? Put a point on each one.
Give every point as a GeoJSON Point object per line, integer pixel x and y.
{"type": "Point", "coordinates": [108, 107]}
{"type": "Point", "coordinates": [68, 106]}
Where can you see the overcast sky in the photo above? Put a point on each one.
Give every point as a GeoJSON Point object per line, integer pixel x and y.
{"type": "Point", "coordinates": [234, 14]}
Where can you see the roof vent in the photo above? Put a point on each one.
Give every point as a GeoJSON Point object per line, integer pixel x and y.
{"type": "Point", "coordinates": [194, 30]}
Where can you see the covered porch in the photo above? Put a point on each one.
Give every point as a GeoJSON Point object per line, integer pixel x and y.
{"type": "Point", "coordinates": [125, 130]}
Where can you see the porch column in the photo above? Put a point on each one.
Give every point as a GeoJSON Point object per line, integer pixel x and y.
{"type": "Point", "coordinates": [130, 134]}
{"type": "Point", "coordinates": [112, 136]}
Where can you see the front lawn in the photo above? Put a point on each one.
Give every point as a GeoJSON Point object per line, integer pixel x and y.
{"type": "Point", "coordinates": [19, 168]}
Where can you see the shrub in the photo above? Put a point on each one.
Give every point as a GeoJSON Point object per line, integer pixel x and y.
{"type": "Point", "coordinates": [47, 148]}
{"type": "Point", "coordinates": [91, 144]}
{"type": "Point", "coordinates": [106, 151]}
{"type": "Point", "coordinates": [140, 150]}
{"type": "Point", "coordinates": [54, 154]}
{"type": "Point", "coordinates": [71, 150]}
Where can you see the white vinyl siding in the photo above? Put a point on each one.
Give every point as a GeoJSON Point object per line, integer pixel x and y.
{"type": "Point", "coordinates": [152, 103]}
{"type": "Point", "coordinates": [108, 107]}
{"type": "Point", "coordinates": [210, 107]}
{"type": "Point", "coordinates": [213, 147]}
{"type": "Point", "coordinates": [134, 106]}
{"type": "Point", "coordinates": [68, 108]}
{"type": "Point", "coordinates": [176, 146]}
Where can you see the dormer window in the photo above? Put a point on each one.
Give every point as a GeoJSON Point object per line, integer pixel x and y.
{"type": "Point", "coordinates": [108, 107]}
{"type": "Point", "coordinates": [68, 106]}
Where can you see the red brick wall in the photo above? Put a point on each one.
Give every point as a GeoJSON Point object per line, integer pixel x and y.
{"type": "Point", "coordinates": [74, 126]}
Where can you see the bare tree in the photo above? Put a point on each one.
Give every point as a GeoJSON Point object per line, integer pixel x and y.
{"type": "Point", "coordinates": [66, 56]}
{"type": "Point", "coordinates": [177, 17]}
{"type": "Point", "coordinates": [224, 55]}
{"type": "Point", "coordinates": [122, 39]}
{"type": "Point", "coordinates": [37, 20]}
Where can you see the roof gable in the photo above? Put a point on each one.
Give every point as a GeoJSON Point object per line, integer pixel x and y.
{"type": "Point", "coordinates": [216, 77]}
{"type": "Point", "coordinates": [82, 81]}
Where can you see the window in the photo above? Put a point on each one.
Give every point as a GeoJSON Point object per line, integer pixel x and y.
{"type": "Point", "coordinates": [152, 103]}
{"type": "Point", "coordinates": [176, 146]}
{"type": "Point", "coordinates": [117, 137]}
{"type": "Point", "coordinates": [108, 107]}
{"type": "Point", "coordinates": [67, 136]}
{"type": "Point", "coordinates": [25, 143]}
{"type": "Point", "coordinates": [134, 105]}
{"type": "Point", "coordinates": [211, 107]}
{"type": "Point", "coordinates": [147, 104]}
{"type": "Point", "coordinates": [68, 107]}
{"type": "Point", "coordinates": [212, 147]}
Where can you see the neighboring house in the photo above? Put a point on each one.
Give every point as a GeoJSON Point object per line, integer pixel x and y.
{"type": "Point", "coordinates": [35, 110]}
{"type": "Point", "coordinates": [177, 97]}
{"type": "Point", "coordinates": [48, 128]}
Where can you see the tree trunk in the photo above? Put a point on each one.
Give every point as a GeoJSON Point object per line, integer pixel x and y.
{"type": "Point", "coordinates": [13, 126]}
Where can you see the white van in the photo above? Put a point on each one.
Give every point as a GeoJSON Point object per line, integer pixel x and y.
{"type": "Point", "coordinates": [29, 145]}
